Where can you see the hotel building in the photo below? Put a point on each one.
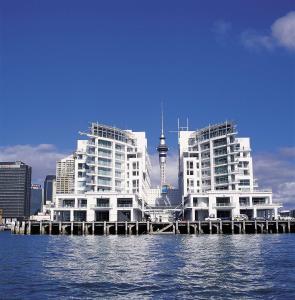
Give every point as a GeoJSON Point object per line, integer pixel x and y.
{"type": "Point", "coordinates": [106, 179]}
{"type": "Point", "coordinates": [216, 176]}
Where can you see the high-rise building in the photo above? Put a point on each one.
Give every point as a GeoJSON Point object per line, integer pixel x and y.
{"type": "Point", "coordinates": [107, 178]}
{"type": "Point", "coordinates": [36, 198]}
{"type": "Point", "coordinates": [15, 190]}
{"type": "Point", "coordinates": [216, 175]}
{"type": "Point", "coordinates": [49, 188]}
{"type": "Point", "coordinates": [65, 175]}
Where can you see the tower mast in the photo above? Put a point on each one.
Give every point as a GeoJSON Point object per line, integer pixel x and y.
{"type": "Point", "coordinates": [162, 150]}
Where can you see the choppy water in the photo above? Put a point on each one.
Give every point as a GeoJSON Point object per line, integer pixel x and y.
{"type": "Point", "coordinates": [145, 267]}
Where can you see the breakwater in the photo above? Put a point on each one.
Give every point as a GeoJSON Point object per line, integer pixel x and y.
{"type": "Point", "coordinates": [139, 228]}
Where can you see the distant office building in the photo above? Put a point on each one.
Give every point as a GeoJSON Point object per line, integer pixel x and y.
{"type": "Point", "coordinates": [36, 198]}
{"type": "Point", "coordinates": [65, 175]}
{"type": "Point", "coordinates": [49, 188]}
{"type": "Point", "coordinates": [15, 190]}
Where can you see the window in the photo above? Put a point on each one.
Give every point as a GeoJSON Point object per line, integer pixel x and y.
{"type": "Point", "coordinates": [124, 202]}
{"type": "Point", "coordinates": [103, 202]}
{"type": "Point", "coordinates": [244, 182]}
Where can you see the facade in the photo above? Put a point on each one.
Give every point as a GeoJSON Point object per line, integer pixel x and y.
{"type": "Point", "coordinates": [36, 198]}
{"type": "Point", "coordinates": [106, 179]}
{"type": "Point", "coordinates": [216, 176]}
{"type": "Point", "coordinates": [15, 190]}
{"type": "Point", "coordinates": [49, 188]}
{"type": "Point", "coordinates": [65, 175]}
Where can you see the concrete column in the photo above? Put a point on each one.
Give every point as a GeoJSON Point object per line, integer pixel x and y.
{"type": "Point", "coordinates": [254, 212]}
{"type": "Point", "coordinates": [232, 227]}
{"type": "Point", "coordinates": [72, 227]}
{"type": "Point", "coordinates": [276, 213]}
{"type": "Point", "coordinates": [71, 215]}
{"type": "Point", "coordinates": [104, 227]}
{"type": "Point", "coordinates": [188, 227]}
{"type": "Point", "coordinates": [116, 228]}
{"type": "Point", "coordinates": [289, 226]}
{"type": "Point", "coordinates": [29, 228]}
{"type": "Point", "coordinates": [266, 226]}
{"type": "Point", "coordinates": [93, 228]}
{"type": "Point", "coordinates": [147, 227]}
{"type": "Point", "coordinates": [255, 226]}
{"type": "Point", "coordinates": [59, 228]}
{"type": "Point", "coordinates": [220, 227]}
{"type": "Point", "coordinates": [200, 227]}
{"type": "Point", "coordinates": [83, 227]}
{"type": "Point", "coordinates": [195, 229]}
{"type": "Point", "coordinates": [240, 228]}
{"type": "Point", "coordinates": [136, 227]}
{"type": "Point", "coordinates": [176, 227]}
{"type": "Point", "coordinates": [277, 226]}
{"type": "Point", "coordinates": [126, 227]}
{"type": "Point", "coordinates": [210, 227]}
{"type": "Point", "coordinates": [244, 226]}
{"type": "Point", "coordinates": [40, 227]}
{"type": "Point", "coordinates": [50, 227]}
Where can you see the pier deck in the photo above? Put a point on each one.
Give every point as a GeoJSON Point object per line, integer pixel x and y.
{"type": "Point", "coordinates": [146, 227]}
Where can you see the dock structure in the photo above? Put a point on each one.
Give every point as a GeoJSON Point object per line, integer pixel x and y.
{"type": "Point", "coordinates": [146, 227]}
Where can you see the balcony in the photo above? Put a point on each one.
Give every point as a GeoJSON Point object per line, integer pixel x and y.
{"type": "Point", "coordinates": [224, 204]}
{"type": "Point", "coordinates": [124, 205]}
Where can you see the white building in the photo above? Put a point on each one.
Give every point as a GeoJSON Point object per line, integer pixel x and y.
{"type": "Point", "coordinates": [106, 179]}
{"type": "Point", "coordinates": [216, 176]}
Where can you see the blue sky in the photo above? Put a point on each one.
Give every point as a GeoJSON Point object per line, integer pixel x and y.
{"type": "Point", "coordinates": [66, 63]}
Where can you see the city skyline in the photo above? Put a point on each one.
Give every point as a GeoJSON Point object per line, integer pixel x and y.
{"type": "Point", "coordinates": [116, 66]}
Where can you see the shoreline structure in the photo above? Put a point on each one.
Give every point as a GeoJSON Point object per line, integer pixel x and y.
{"type": "Point", "coordinates": [106, 183]}
{"type": "Point", "coordinates": [165, 228]}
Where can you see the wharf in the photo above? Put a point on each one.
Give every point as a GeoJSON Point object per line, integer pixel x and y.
{"type": "Point", "coordinates": [146, 227]}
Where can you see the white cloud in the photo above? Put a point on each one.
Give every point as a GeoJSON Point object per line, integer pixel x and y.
{"type": "Point", "coordinates": [42, 158]}
{"type": "Point", "coordinates": [277, 171]}
{"type": "Point", "coordinates": [253, 40]}
{"type": "Point", "coordinates": [171, 169]}
{"type": "Point", "coordinates": [221, 27]}
{"type": "Point", "coordinates": [221, 30]}
{"type": "Point", "coordinates": [281, 33]}
{"type": "Point", "coordinates": [283, 30]}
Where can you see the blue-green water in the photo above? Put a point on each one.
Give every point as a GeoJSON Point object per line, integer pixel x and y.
{"type": "Point", "coordinates": [147, 267]}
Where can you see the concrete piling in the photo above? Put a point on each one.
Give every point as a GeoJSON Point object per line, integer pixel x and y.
{"type": "Point", "coordinates": [135, 228]}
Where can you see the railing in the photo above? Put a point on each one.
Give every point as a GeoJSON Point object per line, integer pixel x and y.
{"type": "Point", "coordinates": [124, 205]}
{"type": "Point", "coordinates": [263, 190]}
{"type": "Point", "coordinates": [102, 205]}
{"type": "Point", "coordinates": [224, 204]}
{"type": "Point", "coordinates": [99, 206]}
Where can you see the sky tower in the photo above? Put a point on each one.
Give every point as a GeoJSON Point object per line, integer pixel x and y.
{"type": "Point", "coordinates": [162, 149]}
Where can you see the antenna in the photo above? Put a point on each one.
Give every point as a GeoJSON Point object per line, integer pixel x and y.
{"type": "Point", "coordinates": [162, 118]}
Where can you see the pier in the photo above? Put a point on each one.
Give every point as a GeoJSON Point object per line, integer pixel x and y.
{"type": "Point", "coordinates": [146, 227]}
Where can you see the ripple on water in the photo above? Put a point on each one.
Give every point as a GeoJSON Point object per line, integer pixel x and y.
{"type": "Point", "coordinates": [162, 267]}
